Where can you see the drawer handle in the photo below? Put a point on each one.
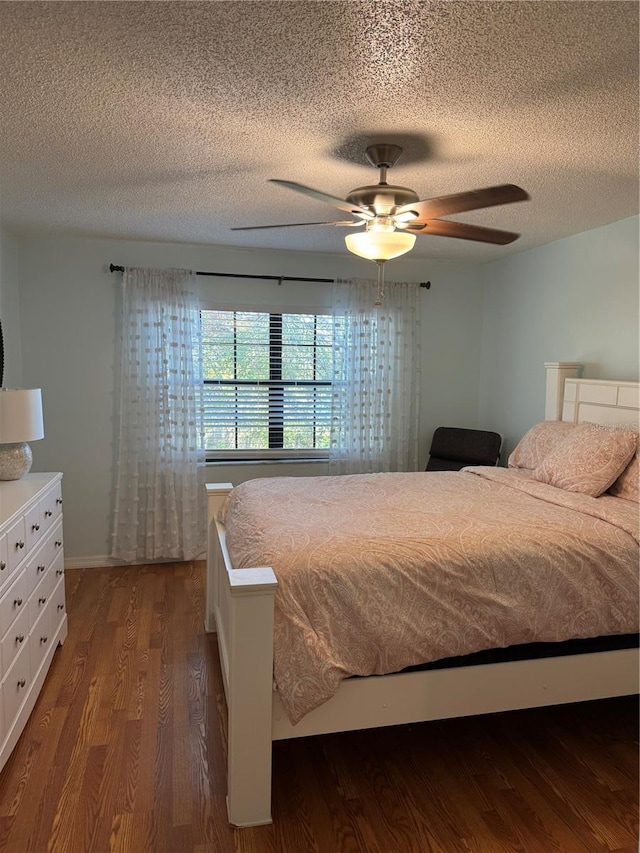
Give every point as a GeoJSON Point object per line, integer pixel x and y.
{"type": "Point", "coordinates": [44, 639]}
{"type": "Point", "coordinates": [59, 501]}
{"type": "Point", "coordinates": [61, 607]}
{"type": "Point", "coordinates": [35, 527]}
{"type": "Point", "coordinates": [58, 543]}
{"type": "Point", "coordinates": [40, 569]}
{"type": "Point", "coordinates": [20, 638]}
{"type": "Point", "coordinates": [17, 602]}
{"type": "Point", "coordinates": [48, 513]}
{"type": "Point", "coordinates": [20, 544]}
{"type": "Point", "coordinates": [3, 565]}
{"type": "Point", "coordinates": [42, 600]}
{"type": "Point", "coordinates": [59, 572]}
{"type": "Point", "coordinates": [21, 682]}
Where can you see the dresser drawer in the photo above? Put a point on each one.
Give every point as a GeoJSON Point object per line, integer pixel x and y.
{"type": "Point", "coordinates": [15, 685]}
{"type": "Point", "coordinates": [40, 596]}
{"type": "Point", "coordinates": [58, 565]}
{"type": "Point", "coordinates": [15, 639]}
{"type": "Point", "coordinates": [40, 639]}
{"type": "Point", "coordinates": [54, 544]}
{"type": "Point", "coordinates": [36, 567]}
{"type": "Point", "coordinates": [4, 561]}
{"type": "Point", "coordinates": [58, 603]}
{"type": "Point", "coordinates": [16, 543]}
{"type": "Point", "coordinates": [13, 602]}
{"type": "Point", "coordinates": [51, 506]}
{"type": "Point", "coordinates": [33, 525]}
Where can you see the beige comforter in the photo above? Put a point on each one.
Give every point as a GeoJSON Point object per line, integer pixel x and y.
{"type": "Point", "coordinates": [377, 572]}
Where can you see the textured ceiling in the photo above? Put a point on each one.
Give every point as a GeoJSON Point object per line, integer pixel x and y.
{"type": "Point", "coordinates": [164, 120]}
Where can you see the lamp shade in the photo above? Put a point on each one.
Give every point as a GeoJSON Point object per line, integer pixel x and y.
{"type": "Point", "coordinates": [20, 415]}
{"type": "Point", "coordinates": [380, 245]}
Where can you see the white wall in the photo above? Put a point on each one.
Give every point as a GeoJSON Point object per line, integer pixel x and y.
{"type": "Point", "coordinates": [572, 300]}
{"type": "Point", "coordinates": [68, 313]}
{"type": "Point", "coordinates": [10, 309]}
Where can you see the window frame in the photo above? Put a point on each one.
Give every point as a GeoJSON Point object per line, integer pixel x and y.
{"type": "Point", "coordinates": [271, 454]}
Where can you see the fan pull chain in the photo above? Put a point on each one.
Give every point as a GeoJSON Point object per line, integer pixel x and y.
{"type": "Point", "coordinates": [380, 296]}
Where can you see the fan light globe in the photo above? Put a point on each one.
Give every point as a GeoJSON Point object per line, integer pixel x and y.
{"type": "Point", "coordinates": [380, 245]}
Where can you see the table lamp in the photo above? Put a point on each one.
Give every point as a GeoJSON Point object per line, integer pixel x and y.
{"type": "Point", "coordinates": [20, 422]}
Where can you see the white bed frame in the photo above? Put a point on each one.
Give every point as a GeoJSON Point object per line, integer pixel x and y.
{"type": "Point", "coordinates": [240, 607]}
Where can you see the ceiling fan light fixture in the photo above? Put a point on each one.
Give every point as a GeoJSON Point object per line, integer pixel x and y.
{"type": "Point", "coordinates": [384, 207]}
{"type": "Point", "coordinates": [380, 245]}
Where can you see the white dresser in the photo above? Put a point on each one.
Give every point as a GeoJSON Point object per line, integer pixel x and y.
{"type": "Point", "coordinates": [33, 617]}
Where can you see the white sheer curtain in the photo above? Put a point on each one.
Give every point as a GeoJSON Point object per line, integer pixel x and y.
{"type": "Point", "coordinates": [376, 381]}
{"type": "Point", "coordinates": [159, 501]}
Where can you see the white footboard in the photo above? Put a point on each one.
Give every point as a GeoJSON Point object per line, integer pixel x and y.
{"type": "Point", "coordinates": [240, 609]}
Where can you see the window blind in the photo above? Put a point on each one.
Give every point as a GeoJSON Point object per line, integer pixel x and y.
{"type": "Point", "coordinates": [267, 381]}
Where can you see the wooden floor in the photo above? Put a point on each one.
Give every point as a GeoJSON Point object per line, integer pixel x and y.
{"type": "Point", "coordinates": [125, 752]}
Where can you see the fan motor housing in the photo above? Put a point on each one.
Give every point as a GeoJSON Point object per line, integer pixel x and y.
{"type": "Point", "coordinates": [382, 198]}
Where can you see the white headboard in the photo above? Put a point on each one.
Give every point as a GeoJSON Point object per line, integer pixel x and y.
{"type": "Point", "coordinates": [598, 401]}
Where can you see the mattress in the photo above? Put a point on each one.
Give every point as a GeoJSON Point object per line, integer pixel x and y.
{"type": "Point", "coordinates": [380, 572]}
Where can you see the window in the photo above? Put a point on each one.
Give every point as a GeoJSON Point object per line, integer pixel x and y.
{"type": "Point", "coordinates": [267, 384]}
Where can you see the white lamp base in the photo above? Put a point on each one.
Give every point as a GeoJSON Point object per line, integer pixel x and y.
{"type": "Point", "coordinates": [15, 460]}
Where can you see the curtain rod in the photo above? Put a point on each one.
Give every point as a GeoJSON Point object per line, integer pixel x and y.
{"type": "Point", "coordinates": [278, 278]}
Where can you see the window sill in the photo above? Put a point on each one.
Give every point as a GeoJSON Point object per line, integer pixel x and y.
{"type": "Point", "coordinates": [218, 463]}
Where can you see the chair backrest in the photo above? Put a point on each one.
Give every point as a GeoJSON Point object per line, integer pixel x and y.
{"type": "Point", "coordinates": [453, 447]}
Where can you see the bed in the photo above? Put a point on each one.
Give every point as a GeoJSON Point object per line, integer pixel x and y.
{"type": "Point", "coordinates": [241, 603]}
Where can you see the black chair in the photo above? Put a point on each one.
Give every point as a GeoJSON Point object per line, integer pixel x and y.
{"type": "Point", "coordinates": [452, 448]}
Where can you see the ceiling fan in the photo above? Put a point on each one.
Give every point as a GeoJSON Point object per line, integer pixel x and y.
{"type": "Point", "coordinates": [394, 215]}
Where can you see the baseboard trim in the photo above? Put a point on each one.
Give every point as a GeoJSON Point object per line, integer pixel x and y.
{"type": "Point", "coordinates": [103, 562]}
{"type": "Point", "coordinates": [99, 562]}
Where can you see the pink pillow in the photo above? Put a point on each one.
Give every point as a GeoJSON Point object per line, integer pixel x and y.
{"type": "Point", "coordinates": [588, 460]}
{"type": "Point", "coordinates": [627, 485]}
{"type": "Point", "coordinates": [538, 442]}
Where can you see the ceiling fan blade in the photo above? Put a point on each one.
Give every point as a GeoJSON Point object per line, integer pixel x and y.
{"type": "Point", "coordinates": [444, 228]}
{"type": "Point", "coordinates": [295, 225]}
{"type": "Point", "coordinates": [333, 200]}
{"type": "Point", "coordinates": [460, 202]}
